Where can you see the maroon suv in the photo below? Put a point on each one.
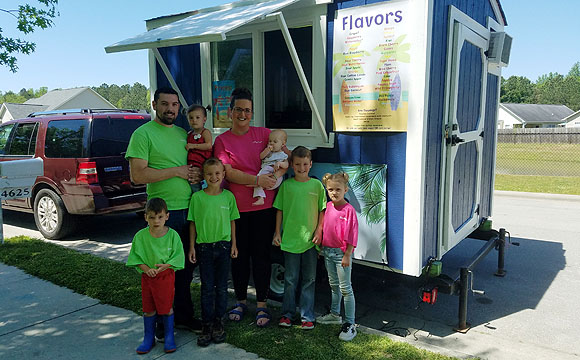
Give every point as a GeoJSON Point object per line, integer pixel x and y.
{"type": "Point", "coordinates": [85, 171]}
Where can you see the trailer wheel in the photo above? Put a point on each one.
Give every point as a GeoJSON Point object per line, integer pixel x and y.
{"type": "Point", "coordinates": [277, 282]}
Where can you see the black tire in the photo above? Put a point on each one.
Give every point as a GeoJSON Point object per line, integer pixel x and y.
{"type": "Point", "coordinates": [51, 217]}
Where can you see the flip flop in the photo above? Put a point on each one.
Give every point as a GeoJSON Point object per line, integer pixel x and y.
{"type": "Point", "coordinates": [265, 315]}
{"type": "Point", "coordinates": [234, 311]}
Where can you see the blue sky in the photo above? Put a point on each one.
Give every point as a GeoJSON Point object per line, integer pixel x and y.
{"type": "Point", "coordinates": [72, 52]}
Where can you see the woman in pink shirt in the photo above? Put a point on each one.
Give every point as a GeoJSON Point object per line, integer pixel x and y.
{"type": "Point", "coordinates": [239, 149]}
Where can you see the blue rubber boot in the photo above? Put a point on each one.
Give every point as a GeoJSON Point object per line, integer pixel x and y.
{"type": "Point", "coordinates": [169, 345]}
{"type": "Point", "coordinates": [149, 337]}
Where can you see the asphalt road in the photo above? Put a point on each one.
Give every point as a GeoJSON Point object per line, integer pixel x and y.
{"type": "Point", "coordinates": [529, 313]}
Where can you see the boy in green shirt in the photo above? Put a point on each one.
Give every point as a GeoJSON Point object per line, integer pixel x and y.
{"type": "Point", "coordinates": [301, 201]}
{"type": "Point", "coordinates": [156, 252]}
{"type": "Point", "coordinates": [212, 212]}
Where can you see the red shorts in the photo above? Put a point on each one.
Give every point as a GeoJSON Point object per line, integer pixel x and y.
{"type": "Point", "coordinates": [157, 292]}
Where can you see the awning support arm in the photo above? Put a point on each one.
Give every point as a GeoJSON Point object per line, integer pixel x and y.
{"type": "Point", "coordinates": [300, 71]}
{"type": "Point", "coordinates": [169, 77]}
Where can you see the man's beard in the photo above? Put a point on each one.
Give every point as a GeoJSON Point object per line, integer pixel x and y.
{"type": "Point", "coordinates": [166, 119]}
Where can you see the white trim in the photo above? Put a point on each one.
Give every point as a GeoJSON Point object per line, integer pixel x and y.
{"type": "Point", "coordinates": [415, 167]}
{"type": "Point", "coordinates": [300, 71]}
{"type": "Point", "coordinates": [459, 32]}
{"type": "Point", "coordinates": [496, 70]}
{"type": "Point", "coordinates": [493, 25]}
{"type": "Point", "coordinates": [496, 11]}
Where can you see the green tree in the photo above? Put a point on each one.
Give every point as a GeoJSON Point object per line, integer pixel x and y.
{"type": "Point", "coordinates": [28, 18]}
{"type": "Point", "coordinates": [575, 70]}
{"type": "Point", "coordinates": [517, 89]}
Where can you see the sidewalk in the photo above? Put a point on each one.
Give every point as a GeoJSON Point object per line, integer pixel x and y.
{"type": "Point", "coordinates": [40, 320]}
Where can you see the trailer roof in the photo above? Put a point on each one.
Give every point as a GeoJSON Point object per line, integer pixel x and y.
{"type": "Point", "coordinates": [206, 25]}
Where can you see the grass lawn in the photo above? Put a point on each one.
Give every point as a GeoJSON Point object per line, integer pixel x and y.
{"type": "Point", "coordinates": [538, 159]}
{"type": "Point", "coordinates": [113, 283]}
{"type": "Point", "coordinates": [544, 168]}
{"type": "Point", "coordinates": [541, 184]}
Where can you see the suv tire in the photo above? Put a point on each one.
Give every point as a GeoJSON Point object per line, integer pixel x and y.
{"type": "Point", "coordinates": [51, 217]}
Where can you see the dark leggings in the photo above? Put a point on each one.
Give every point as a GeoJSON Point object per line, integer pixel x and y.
{"type": "Point", "coordinates": [182, 303]}
{"type": "Point", "coordinates": [254, 233]}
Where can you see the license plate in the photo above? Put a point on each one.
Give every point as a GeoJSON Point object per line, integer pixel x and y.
{"type": "Point", "coordinates": [15, 192]}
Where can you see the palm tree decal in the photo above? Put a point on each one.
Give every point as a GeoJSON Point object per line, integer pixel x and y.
{"type": "Point", "coordinates": [399, 52]}
{"type": "Point", "coordinates": [340, 59]}
{"type": "Point", "coordinates": [370, 181]}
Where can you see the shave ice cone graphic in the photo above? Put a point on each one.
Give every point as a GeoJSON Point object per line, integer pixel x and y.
{"type": "Point", "coordinates": [370, 69]}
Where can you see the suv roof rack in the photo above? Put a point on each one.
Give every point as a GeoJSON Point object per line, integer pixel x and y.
{"type": "Point", "coordinates": [78, 111]}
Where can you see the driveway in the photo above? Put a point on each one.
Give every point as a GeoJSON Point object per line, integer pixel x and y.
{"type": "Point", "coordinates": [530, 313]}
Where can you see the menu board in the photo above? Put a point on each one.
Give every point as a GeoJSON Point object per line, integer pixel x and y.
{"type": "Point", "coordinates": [370, 72]}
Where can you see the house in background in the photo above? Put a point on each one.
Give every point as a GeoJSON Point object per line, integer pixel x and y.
{"type": "Point", "coordinates": [512, 116]}
{"type": "Point", "coordinates": [572, 121]}
{"type": "Point", "coordinates": [75, 98]}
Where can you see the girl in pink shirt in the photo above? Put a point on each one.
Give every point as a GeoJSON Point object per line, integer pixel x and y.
{"type": "Point", "coordinates": [339, 238]}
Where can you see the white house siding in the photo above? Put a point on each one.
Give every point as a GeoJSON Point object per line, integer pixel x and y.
{"type": "Point", "coordinates": [86, 99]}
{"type": "Point", "coordinates": [573, 121]}
{"type": "Point", "coordinates": [506, 120]}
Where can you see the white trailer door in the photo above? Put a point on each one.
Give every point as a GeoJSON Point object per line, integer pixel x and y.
{"type": "Point", "coordinates": [463, 131]}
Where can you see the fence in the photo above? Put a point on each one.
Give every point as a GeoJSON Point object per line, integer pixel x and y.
{"type": "Point", "coordinates": [542, 152]}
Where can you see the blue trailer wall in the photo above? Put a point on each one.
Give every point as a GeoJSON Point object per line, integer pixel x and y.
{"type": "Point", "coordinates": [478, 10]}
{"type": "Point", "coordinates": [369, 148]}
{"type": "Point", "coordinates": [184, 65]}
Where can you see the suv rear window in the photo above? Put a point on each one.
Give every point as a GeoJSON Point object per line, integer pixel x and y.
{"type": "Point", "coordinates": [67, 139]}
{"type": "Point", "coordinates": [110, 136]}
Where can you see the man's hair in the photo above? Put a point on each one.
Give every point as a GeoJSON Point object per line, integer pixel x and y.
{"type": "Point", "coordinates": [240, 94]}
{"type": "Point", "coordinates": [164, 90]}
{"type": "Point", "coordinates": [301, 152]}
{"type": "Point", "coordinates": [197, 107]}
{"type": "Point", "coordinates": [155, 205]}
{"type": "Point", "coordinates": [212, 161]}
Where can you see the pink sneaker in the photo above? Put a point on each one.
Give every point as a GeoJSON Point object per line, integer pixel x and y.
{"type": "Point", "coordinates": [307, 325]}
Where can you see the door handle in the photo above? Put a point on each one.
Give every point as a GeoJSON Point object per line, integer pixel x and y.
{"type": "Point", "coordinates": [454, 140]}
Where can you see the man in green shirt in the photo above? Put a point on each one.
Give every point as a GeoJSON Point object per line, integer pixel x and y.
{"type": "Point", "coordinates": [158, 157]}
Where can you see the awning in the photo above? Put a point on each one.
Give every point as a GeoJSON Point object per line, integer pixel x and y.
{"type": "Point", "coordinates": [208, 25]}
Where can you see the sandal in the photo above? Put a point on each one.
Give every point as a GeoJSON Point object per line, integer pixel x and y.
{"type": "Point", "coordinates": [265, 315]}
{"type": "Point", "coordinates": [235, 311]}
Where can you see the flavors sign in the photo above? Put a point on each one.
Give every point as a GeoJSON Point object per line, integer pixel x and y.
{"type": "Point", "coordinates": [370, 71]}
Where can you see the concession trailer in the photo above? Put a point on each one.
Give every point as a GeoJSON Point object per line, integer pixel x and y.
{"type": "Point", "coordinates": [402, 95]}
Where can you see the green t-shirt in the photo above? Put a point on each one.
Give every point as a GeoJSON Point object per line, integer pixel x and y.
{"type": "Point", "coordinates": [163, 147]}
{"type": "Point", "coordinates": [301, 203]}
{"type": "Point", "coordinates": [213, 215]}
{"type": "Point", "coordinates": [150, 250]}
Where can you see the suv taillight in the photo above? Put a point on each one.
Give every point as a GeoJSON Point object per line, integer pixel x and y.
{"type": "Point", "coordinates": [87, 173]}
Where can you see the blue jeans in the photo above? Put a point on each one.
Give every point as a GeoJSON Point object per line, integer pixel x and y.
{"type": "Point", "coordinates": [295, 265]}
{"type": "Point", "coordinates": [214, 267]}
{"type": "Point", "coordinates": [340, 284]}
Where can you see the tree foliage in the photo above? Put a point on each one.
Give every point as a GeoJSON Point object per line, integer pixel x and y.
{"type": "Point", "coordinates": [28, 18]}
{"type": "Point", "coordinates": [125, 96]}
{"type": "Point", "coordinates": [22, 95]}
{"type": "Point", "coordinates": [551, 88]}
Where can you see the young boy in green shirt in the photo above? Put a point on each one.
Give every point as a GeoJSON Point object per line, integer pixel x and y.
{"type": "Point", "coordinates": [212, 212]}
{"type": "Point", "coordinates": [301, 201]}
{"type": "Point", "coordinates": [156, 252]}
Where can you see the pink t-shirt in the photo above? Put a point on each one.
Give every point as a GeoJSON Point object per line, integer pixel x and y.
{"type": "Point", "coordinates": [242, 152]}
{"type": "Point", "coordinates": [340, 226]}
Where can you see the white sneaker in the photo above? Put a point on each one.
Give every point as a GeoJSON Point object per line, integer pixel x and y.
{"type": "Point", "coordinates": [329, 318]}
{"type": "Point", "coordinates": [348, 332]}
